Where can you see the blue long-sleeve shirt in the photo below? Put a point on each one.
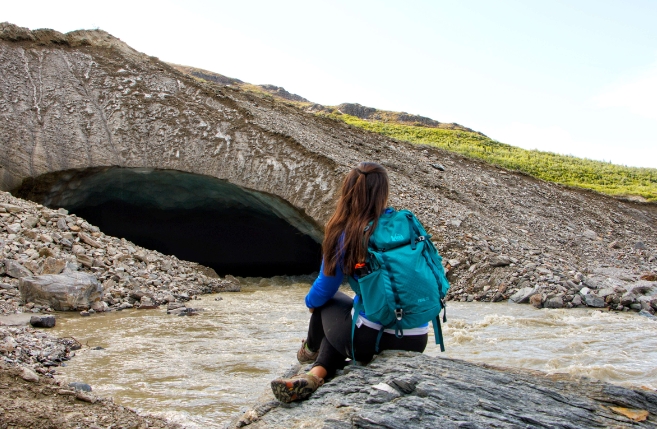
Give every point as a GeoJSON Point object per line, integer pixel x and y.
{"type": "Point", "coordinates": [324, 287]}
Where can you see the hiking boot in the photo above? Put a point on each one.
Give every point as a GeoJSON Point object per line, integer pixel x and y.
{"type": "Point", "coordinates": [297, 388]}
{"type": "Point", "coordinates": [304, 355]}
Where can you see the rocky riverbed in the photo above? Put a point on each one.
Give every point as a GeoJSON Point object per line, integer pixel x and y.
{"type": "Point", "coordinates": [47, 258]}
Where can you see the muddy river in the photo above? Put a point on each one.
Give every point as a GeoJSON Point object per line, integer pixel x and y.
{"type": "Point", "coordinates": [203, 370]}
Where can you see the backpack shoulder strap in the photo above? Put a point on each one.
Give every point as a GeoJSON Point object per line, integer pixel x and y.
{"type": "Point", "coordinates": [358, 306]}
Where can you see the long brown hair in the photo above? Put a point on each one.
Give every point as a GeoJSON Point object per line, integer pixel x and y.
{"type": "Point", "coordinates": [363, 198]}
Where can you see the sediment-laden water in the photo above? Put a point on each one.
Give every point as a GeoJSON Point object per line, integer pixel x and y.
{"type": "Point", "coordinates": [202, 370]}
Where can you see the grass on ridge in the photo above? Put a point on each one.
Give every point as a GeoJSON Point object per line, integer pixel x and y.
{"type": "Point", "coordinates": [568, 170]}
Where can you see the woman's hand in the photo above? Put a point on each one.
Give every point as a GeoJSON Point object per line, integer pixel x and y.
{"type": "Point", "coordinates": [311, 309]}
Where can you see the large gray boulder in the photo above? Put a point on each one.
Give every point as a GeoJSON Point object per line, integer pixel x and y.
{"type": "Point", "coordinates": [62, 292]}
{"type": "Point", "coordinates": [401, 390]}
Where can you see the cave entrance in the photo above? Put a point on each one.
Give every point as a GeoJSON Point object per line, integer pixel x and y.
{"type": "Point", "coordinates": [197, 218]}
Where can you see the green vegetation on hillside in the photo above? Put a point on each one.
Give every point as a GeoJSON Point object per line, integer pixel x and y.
{"type": "Point", "coordinates": [568, 170]}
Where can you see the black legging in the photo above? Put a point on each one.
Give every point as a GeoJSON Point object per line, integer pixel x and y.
{"type": "Point", "coordinates": [330, 333]}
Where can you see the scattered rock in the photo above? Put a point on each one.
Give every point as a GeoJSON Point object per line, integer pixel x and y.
{"type": "Point", "coordinates": [591, 235]}
{"type": "Point", "coordinates": [90, 241]}
{"type": "Point", "coordinates": [438, 166]}
{"type": "Point", "coordinates": [53, 266]}
{"type": "Point", "coordinates": [43, 321]}
{"type": "Point", "coordinates": [651, 277]}
{"type": "Point", "coordinates": [500, 261]}
{"type": "Point", "coordinates": [536, 300]}
{"type": "Point", "coordinates": [523, 295]}
{"type": "Point", "coordinates": [15, 269]}
{"type": "Point", "coordinates": [28, 375]}
{"type": "Point", "coordinates": [147, 303]}
{"type": "Point", "coordinates": [594, 301]}
{"type": "Point", "coordinates": [81, 387]}
{"type": "Point", "coordinates": [554, 302]}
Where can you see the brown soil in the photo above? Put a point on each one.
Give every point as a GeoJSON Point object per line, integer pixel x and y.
{"type": "Point", "coordinates": [47, 405]}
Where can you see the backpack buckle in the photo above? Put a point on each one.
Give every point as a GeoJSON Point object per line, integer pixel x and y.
{"type": "Point", "coordinates": [399, 313]}
{"type": "Point", "coordinates": [420, 238]}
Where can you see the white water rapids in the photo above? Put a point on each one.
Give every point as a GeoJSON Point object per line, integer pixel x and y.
{"type": "Point", "coordinates": [205, 369]}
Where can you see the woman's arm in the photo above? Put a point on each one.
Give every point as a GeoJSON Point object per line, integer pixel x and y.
{"type": "Point", "coordinates": [324, 287]}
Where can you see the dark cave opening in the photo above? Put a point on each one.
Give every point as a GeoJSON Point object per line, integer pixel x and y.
{"type": "Point", "coordinates": [197, 218]}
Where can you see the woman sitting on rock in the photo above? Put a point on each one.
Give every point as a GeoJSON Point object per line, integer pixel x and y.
{"type": "Point", "coordinates": [363, 199]}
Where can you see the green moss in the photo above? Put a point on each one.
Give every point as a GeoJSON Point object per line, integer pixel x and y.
{"type": "Point", "coordinates": [567, 170]}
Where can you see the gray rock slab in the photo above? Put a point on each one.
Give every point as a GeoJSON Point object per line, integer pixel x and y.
{"type": "Point", "coordinates": [449, 393]}
{"type": "Point", "coordinates": [43, 321]}
{"type": "Point", "coordinates": [15, 269]}
{"type": "Point", "coordinates": [500, 261]}
{"type": "Point", "coordinates": [522, 295]}
{"type": "Point", "coordinates": [62, 292]}
{"type": "Point", "coordinates": [594, 301]}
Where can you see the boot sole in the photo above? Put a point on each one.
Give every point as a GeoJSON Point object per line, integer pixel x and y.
{"type": "Point", "coordinates": [289, 390]}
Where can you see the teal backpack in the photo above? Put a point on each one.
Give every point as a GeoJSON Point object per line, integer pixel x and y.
{"type": "Point", "coordinates": [403, 283]}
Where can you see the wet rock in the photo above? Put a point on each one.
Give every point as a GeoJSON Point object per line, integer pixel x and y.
{"type": "Point", "coordinates": [78, 386]}
{"type": "Point", "coordinates": [147, 303]}
{"type": "Point", "coordinates": [85, 313]}
{"type": "Point", "coordinates": [577, 300]}
{"type": "Point", "coordinates": [522, 295]}
{"type": "Point", "coordinates": [594, 301]}
{"type": "Point", "coordinates": [43, 321]}
{"type": "Point", "coordinates": [555, 302]}
{"type": "Point", "coordinates": [62, 292]}
{"type": "Point", "coordinates": [536, 300]}
{"type": "Point", "coordinates": [86, 397]}
{"type": "Point", "coordinates": [628, 298]}
{"type": "Point", "coordinates": [174, 305]}
{"type": "Point", "coordinates": [15, 269]}
{"type": "Point", "coordinates": [647, 314]}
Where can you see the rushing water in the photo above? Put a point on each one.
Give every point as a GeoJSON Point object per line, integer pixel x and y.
{"type": "Point", "coordinates": [204, 369]}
